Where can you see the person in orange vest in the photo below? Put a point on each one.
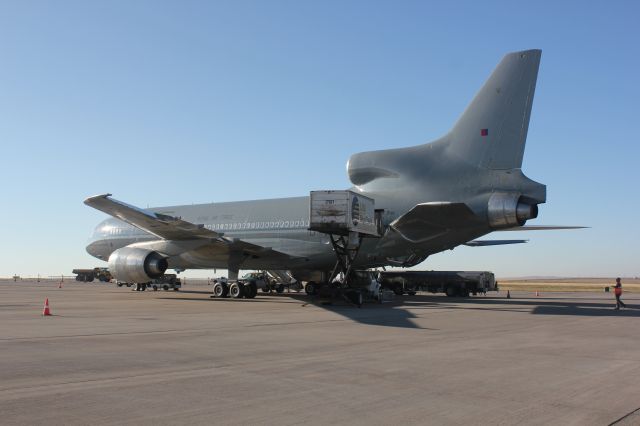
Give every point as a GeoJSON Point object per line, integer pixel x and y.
{"type": "Point", "coordinates": [617, 290]}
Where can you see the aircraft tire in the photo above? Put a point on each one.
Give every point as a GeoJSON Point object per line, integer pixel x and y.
{"type": "Point", "coordinates": [119, 284]}
{"type": "Point", "coordinates": [280, 289]}
{"type": "Point", "coordinates": [450, 291]}
{"type": "Point", "coordinates": [143, 287]}
{"type": "Point", "coordinates": [250, 290]}
{"type": "Point", "coordinates": [311, 288]}
{"type": "Point", "coordinates": [235, 291]}
{"type": "Point", "coordinates": [398, 290]}
{"type": "Point", "coordinates": [219, 290]}
{"type": "Point", "coordinates": [136, 287]}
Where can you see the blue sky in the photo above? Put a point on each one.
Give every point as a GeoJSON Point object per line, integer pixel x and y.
{"type": "Point", "coordinates": [164, 103]}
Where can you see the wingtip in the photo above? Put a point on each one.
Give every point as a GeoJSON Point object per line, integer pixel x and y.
{"type": "Point", "coordinates": [88, 200]}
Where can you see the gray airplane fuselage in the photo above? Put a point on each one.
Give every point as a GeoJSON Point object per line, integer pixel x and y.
{"type": "Point", "coordinates": [435, 196]}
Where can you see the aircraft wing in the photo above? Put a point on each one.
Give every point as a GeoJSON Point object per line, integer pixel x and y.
{"type": "Point", "coordinates": [158, 224]}
{"type": "Point", "coordinates": [484, 243]}
{"type": "Point", "coordinates": [173, 228]}
{"type": "Point", "coordinates": [429, 220]}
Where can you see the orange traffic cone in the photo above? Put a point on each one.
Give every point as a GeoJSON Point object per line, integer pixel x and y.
{"type": "Point", "coordinates": [46, 311]}
{"type": "Point", "coordinates": [508, 295]}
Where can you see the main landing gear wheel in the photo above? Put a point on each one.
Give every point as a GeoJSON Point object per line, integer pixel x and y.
{"type": "Point", "coordinates": [311, 288]}
{"type": "Point", "coordinates": [250, 290]}
{"type": "Point", "coordinates": [220, 290]}
{"type": "Point", "coordinates": [235, 290]}
{"type": "Point", "coordinates": [280, 289]}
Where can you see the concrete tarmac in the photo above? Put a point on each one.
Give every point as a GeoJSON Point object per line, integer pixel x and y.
{"type": "Point", "coordinates": [109, 355]}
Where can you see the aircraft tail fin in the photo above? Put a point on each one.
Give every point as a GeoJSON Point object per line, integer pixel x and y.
{"type": "Point", "coordinates": [492, 131]}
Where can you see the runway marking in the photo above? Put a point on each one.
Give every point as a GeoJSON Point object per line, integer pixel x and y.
{"type": "Point", "coordinates": [637, 410]}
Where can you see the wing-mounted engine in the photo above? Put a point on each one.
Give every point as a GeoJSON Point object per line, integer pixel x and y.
{"type": "Point", "coordinates": [506, 210]}
{"type": "Point", "coordinates": [136, 265]}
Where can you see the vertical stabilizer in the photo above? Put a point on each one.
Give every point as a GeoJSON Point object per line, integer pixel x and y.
{"type": "Point", "coordinates": [492, 131]}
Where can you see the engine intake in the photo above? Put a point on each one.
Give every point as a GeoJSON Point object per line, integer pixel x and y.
{"type": "Point", "coordinates": [506, 210]}
{"type": "Point", "coordinates": [136, 265]}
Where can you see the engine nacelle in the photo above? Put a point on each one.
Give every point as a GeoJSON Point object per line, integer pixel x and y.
{"type": "Point", "coordinates": [506, 210]}
{"type": "Point", "coordinates": [136, 265]}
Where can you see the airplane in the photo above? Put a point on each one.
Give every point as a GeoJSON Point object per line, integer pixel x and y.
{"type": "Point", "coordinates": [434, 197]}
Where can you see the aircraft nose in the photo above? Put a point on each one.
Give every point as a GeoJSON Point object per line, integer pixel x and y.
{"type": "Point", "coordinates": [96, 249]}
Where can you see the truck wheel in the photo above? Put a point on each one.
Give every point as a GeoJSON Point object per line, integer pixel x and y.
{"type": "Point", "coordinates": [450, 291]}
{"type": "Point", "coordinates": [266, 288]}
{"type": "Point", "coordinates": [398, 290]}
{"type": "Point", "coordinates": [165, 287]}
{"type": "Point", "coordinates": [155, 287]}
{"type": "Point", "coordinates": [411, 293]}
{"type": "Point", "coordinates": [235, 290]}
{"type": "Point", "coordinates": [280, 289]}
{"type": "Point", "coordinates": [143, 287]}
{"type": "Point", "coordinates": [119, 284]}
{"type": "Point", "coordinates": [311, 288]}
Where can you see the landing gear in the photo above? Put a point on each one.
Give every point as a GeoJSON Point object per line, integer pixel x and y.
{"type": "Point", "coordinates": [220, 290]}
{"type": "Point", "coordinates": [311, 288]}
{"type": "Point", "coordinates": [280, 289]}
{"type": "Point", "coordinates": [250, 290]}
{"type": "Point", "coordinates": [236, 290]}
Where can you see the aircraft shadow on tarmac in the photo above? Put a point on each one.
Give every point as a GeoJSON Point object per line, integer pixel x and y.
{"type": "Point", "coordinates": [403, 310]}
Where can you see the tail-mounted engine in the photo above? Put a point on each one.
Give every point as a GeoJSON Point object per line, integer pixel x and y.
{"type": "Point", "coordinates": [136, 265]}
{"type": "Point", "coordinates": [506, 210]}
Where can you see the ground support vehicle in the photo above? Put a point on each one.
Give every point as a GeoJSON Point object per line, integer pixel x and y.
{"type": "Point", "coordinates": [166, 282]}
{"type": "Point", "coordinates": [451, 283]}
{"type": "Point", "coordinates": [88, 275]}
{"type": "Point", "coordinates": [363, 286]}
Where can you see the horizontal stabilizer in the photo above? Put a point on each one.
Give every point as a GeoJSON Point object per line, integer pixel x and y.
{"type": "Point", "coordinates": [429, 220]}
{"type": "Point", "coordinates": [484, 243]}
{"type": "Point", "coordinates": [541, 228]}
